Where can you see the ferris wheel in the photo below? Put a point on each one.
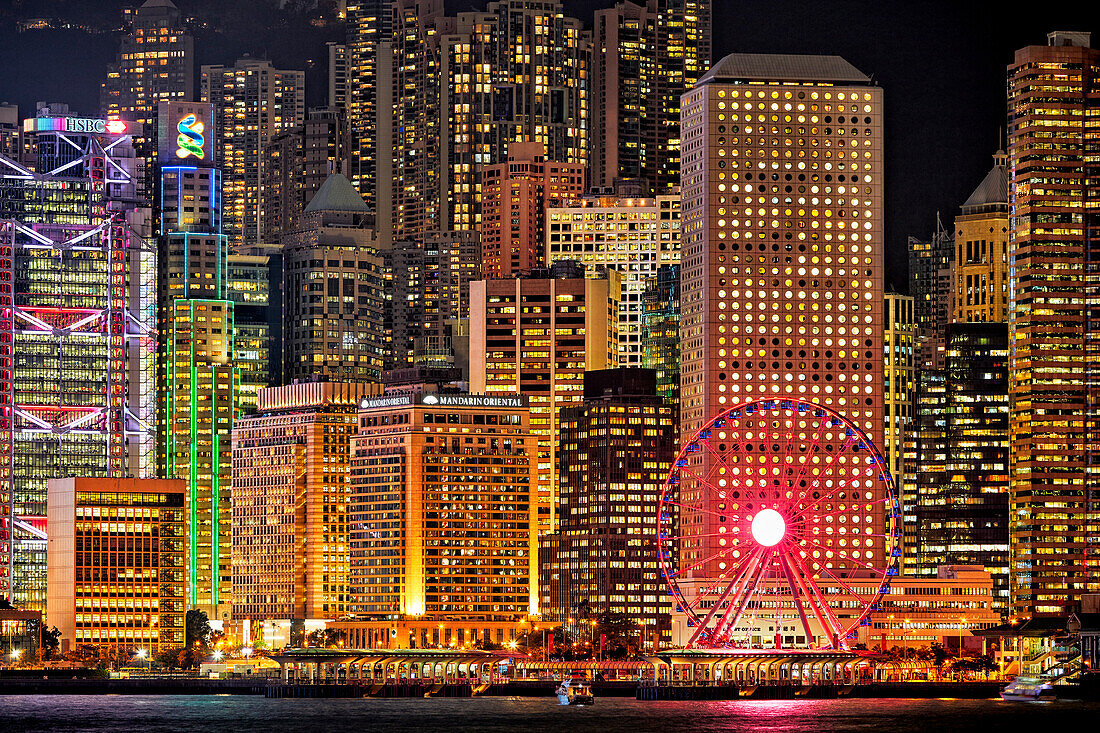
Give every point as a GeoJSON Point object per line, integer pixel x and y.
{"type": "Point", "coordinates": [778, 510]}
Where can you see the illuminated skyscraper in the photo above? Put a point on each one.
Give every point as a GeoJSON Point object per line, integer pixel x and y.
{"type": "Point", "coordinates": [198, 376]}
{"type": "Point", "coordinates": [253, 102]}
{"type": "Point", "coordinates": [254, 284]}
{"type": "Point", "coordinates": [635, 236]}
{"type": "Point", "coordinates": [661, 332]}
{"type": "Point", "coordinates": [1054, 377]}
{"type": "Point", "coordinates": [538, 336]}
{"type": "Point", "coordinates": [930, 284]}
{"type": "Point", "coordinates": [782, 246]}
{"type": "Point", "coordinates": [77, 325]}
{"type": "Point", "coordinates": [442, 508]}
{"type": "Point", "coordinates": [369, 48]}
{"type": "Point", "coordinates": [899, 385]}
{"type": "Point", "coordinates": [644, 57]}
{"type": "Point", "coordinates": [981, 250]}
{"type": "Point", "coordinates": [516, 196]}
{"type": "Point", "coordinates": [291, 474]}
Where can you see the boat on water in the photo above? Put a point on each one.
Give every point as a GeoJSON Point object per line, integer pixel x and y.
{"type": "Point", "coordinates": [1029, 689]}
{"type": "Point", "coordinates": [572, 692]}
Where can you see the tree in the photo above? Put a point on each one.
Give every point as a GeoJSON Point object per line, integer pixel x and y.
{"type": "Point", "coordinates": [198, 630]}
{"type": "Point", "coordinates": [5, 604]}
{"type": "Point", "coordinates": [169, 658]}
{"type": "Point", "coordinates": [51, 642]}
{"type": "Point", "coordinates": [326, 638]}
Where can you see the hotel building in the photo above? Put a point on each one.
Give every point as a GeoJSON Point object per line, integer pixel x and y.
{"type": "Point", "coordinates": [442, 509]}
{"type": "Point", "coordinates": [539, 335]}
{"type": "Point", "coordinates": [782, 249]}
{"type": "Point", "coordinates": [634, 236]}
{"type": "Point", "coordinates": [1054, 377]}
{"type": "Point", "coordinates": [116, 559]}
{"type": "Point", "coordinates": [291, 471]}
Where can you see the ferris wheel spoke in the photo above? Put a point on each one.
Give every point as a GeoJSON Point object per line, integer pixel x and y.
{"type": "Point", "coordinates": [849, 558]}
{"type": "Point", "coordinates": [813, 449]}
{"type": "Point", "coordinates": [726, 624]}
{"type": "Point", "coordinates": [796, 596]}
{"type": "Point", "coordinates": [742, 571]}
{"type": "Point", "coordinates": [843, 483]}
{"type": "Point", "coordinates": [804, 581]}
{"type": "Point", "coordinates": [697, 509]}
{"type": "Point", "coordinates": [822, 605]}
{"type": "Point", "coordinates": [828, 467]}
{"type": "Point", "coordinates": [704, 561]}
{"type": "Point", "coordinates": [733, 571]}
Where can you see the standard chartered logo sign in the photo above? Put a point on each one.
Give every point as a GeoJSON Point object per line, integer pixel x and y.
{"type": "Point", "coordinates": [190, 140]}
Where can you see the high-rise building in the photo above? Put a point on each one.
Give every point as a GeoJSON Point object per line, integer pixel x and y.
{"type": "Point", "coordinates": [442, 508]}
{"type": "Point", "coordinates": [616, 448]}
{"type": "Point", "coordinates": [77, 325]}
{"type": "Point", "coordinates": [290, 502]}
{"type": "Point", "coordinates": [782, 250]}
{"type": "Point", "coordinates": [254, 282]}
{"type": "Point", "coordinates": [116, 562]}
{"type": "Point", "coordinates": [961, 507]}
{"type": "Point", "coordinates": [337, 75]}
{"type": "Point", "coordinates": [197, 373]}
{"type": "Point", "coordinates": [156, 63]}
{"type": "Point", "coordinates": [899, 386]}
{"type": "Point", "coordinates": [661, 332]}
{"type": "Point", "coordinates": [930, 284]}
{"type": "Point", "coordinates": [253, 102]}
{"type": "Point", "coordinates": [537, 337]}
{"type": "Point", "coordinates": [1054, 377]}
{"type": "Point", "coordinates": [980, 287]}
{"type": "Point", "coordinates": [370, 89]}
{"type": "Point", "coordinates": [635, 236]}
{"type": "Point", "coordinates": [334, 296]}
{"type": "Point", "coordinates": [515, 199]}
{"type": "Point", "coordinates": [644, 57]}
{"type": "Point", "coordinates": [10, 141]}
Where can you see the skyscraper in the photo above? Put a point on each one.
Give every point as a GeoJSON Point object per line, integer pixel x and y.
{"type": "Point", "coordinates": [644, 57]}
{"type": "Point", "coordinates": [980, 287]}
{"type": "Point", "coordinates": [334, 312]}
{"type": "Point", "coordinates": [661, 332]}
{"type": "Point", "coordinates": [77, 325]}
{"type": "Point", "coordinates": [782, 246]}
{"type": "Point", "coordinates": [538, 336]}
{"type": "Point", "coordinates": [515, 197]}
{"type": "Point", "coordinates": [636, 236]}
{"type": "Point", "coordinates": [899, 386]}
{"type": "Point", "coordinates": [1053, 332]}
{"type": "Point", "coordinates": [930, 284]}
{"type": "Point", "coordinates": [253, 101]}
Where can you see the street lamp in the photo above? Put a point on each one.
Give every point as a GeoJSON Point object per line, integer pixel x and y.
{"type": "Point", "coordinates": [15, 654]}
{"type": "Point", "coordinates": [141, 655]}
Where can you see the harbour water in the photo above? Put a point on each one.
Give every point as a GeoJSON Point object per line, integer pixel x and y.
{"type": "Point", "coordinates": [510, 715]}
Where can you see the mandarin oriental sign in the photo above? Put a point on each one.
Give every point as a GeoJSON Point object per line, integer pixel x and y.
{"type": "Point", "coordinates": [446, 400]}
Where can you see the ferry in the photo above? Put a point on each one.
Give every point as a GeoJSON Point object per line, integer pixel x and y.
{"type": "Point", "coordinates": [1029, 689]}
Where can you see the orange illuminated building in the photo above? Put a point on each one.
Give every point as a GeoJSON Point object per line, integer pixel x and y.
{"type": "Point", "coordinates": [515, 196]}
{"type": "Point", "coordinates": [289, 502]}
{"type": "Point", "coordinates": [115, 562]}
{"type": "Point", "coordinates": [442, 509]}
{"type": "Point", "coordinates": [781, 248]}
{"type": "Point", "coordinates": [1054, 344]}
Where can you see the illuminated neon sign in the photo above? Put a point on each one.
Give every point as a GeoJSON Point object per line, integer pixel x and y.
{"type": "Point", "coordinates": [190, 138]}
{"type": "Point", "coordinates": [76, 124]}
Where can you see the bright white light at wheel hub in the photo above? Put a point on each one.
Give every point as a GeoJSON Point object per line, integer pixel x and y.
{"type": "Point", "coordinates": [768, 527]}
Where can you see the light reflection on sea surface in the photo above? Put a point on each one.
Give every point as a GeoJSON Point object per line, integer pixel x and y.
{"type": "Point", "coordinates": [608, 715]}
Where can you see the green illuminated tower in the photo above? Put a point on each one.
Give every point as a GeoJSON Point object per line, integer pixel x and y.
{"type": "Point", "coordinates": [198, 379]}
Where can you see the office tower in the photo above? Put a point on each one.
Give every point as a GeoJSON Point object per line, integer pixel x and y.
{"type": "Point", "coordinates": [661, 332]}
{"type": "Point", "coordinates": [515, 199]}
{"type": "Point", "coordinates": [442, 508]}
{"type": "Point", "coordinates": [616, 448]}
{"type": "Point", "coordinates": [1053, 362]}
{"type": "Point", "coordinates": [780, 298]}
{"type": "Point", "coordinates": [370, 89]}
{"type": "Point", "coordinates": [538, 336]}
{"type": "Point", "coordinates": [116, 562]}
{"type": "Point", "coordinates": [77, 319]}
{"type": "Point", "coordinates": [254, 282]}
{"type": "Point", "coordinates": [980, 287]}
{"type": "Point", "coordinates": [961, 510]}
{"type": "Point", "coordinates": [253, 102]}
{"type": "Point", "coordinates": [334, 297]}
{"type": "Point", "coordinates": [644, 57]}
{"type": "Point", "coordinates": [156, 63]}
{"type": "Point", "coordinates": [931, 285]}
{"type": "Point", "coordinates": [198, 376]}
{"type": "Point", "coordinates": [290, 500]}
{"type": "Point", "coordinates": [635, 236]}
{"type": "Point", "coordinates": [430, 303]}
{"type": "Point", "coordinates": [337, 75]}
{"type": "Point", "coordinates": [297, 162]}
{"type": "Point", "coordinates": [898, 393]}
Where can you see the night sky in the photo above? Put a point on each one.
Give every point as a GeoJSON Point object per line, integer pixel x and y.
{"type": "Point", "coordinates": [941, 65]}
